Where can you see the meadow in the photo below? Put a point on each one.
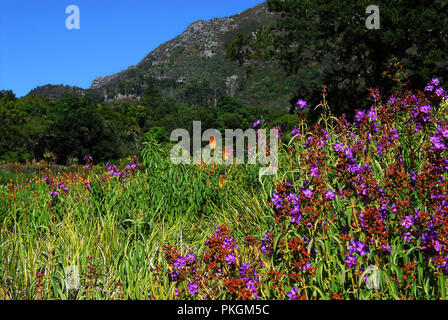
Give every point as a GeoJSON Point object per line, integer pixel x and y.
{"type": "Point", "coordinates": [357, 210]}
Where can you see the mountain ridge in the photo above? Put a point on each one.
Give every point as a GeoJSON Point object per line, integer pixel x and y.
{"type": "Point", "coordinates": [193, 68]}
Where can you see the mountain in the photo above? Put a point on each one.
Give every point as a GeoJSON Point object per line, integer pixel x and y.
{"type": "Point", "coordinates": [193, 68]}
{"type": "Point", "coordinates": [55, 92]}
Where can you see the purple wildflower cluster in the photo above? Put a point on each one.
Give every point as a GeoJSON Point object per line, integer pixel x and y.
{"type": "Point", "coordinates": [128, 170]}
{"type": "Point", "coordinates": [434, 86]}
{"type": "Point", "coordinates": [279, 132]}
{"type": "Point", "coordinates": [57, 187]}
{"type": "Point", "coordinates": [266, 243]}
{"type": "Point", "coordinates": [440, 139]}
{"type": "Point", "coordinates": [356, 247]}
{"type": "Point", "coordinates": [88, 160]}
{"type": "Point", "coordinates": [286, 203]}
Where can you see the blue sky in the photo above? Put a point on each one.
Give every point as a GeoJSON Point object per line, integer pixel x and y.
{"type": "Point", "coordinates": [38, 49]}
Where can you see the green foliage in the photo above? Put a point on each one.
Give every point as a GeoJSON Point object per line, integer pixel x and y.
{"type": "Point", "coordinates": [333, 34]}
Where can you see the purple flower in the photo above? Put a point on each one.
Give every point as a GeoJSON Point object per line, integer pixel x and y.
{"type": "Point", "coordinates": [348, 152]}
{"type": "Point", "coordinates": [443, 132]}
{"type": "Point", "coordinates": [301, 103]}
{"type": "Point", "coordinates": [358, 246]}
{"type": "Point", "coordinates": [308, 193]}
{"type": "Point", "coordinates": [435, 82]}
{"type": "Point", "coordinates": [437, 245]}
{"type": "Point", "coordinates": [173, 276]}
{"type": "Point", "coordinates": [293, 198]}
{"type": "Point", "coordinates": [372, 115]}
{"type": "Point", "coordinates": [295, 215]}
{"type": "Point", "coordinates": [338, 147]}
{"type": "Point", "coordinates": [392, 99]}
{"type": "Point", "coordinates": [360, 115]}
{"type": "Point", "coordinates": [429, 87]}
{"type": "Point", "coordinates": [229, 243]}
{"type": "Point", "coordinates": [54, 193]}
{"type": "Point", "coordinates": [279, 132]}
{"type": "Point", "coordinates": [364, 250]}
{"type": "Point", "coordinates": [326, 135]}
{"type": "Point", "coordinates": [265, 246]}
{"type": "Point", "coordinates": [257, 123]}
{"type": "Point", "coordinates": [314, 171]}
{"type": "Point", "coordinates": [350, 261]}
{"type": "Point", "coordinates": [307, 266]}
{"type": "Point", "coordinates": [425, 108]}
{"type": "Point", "coordinates": [243, 269]}
{"type": "Point", "coordinates": [192, 288]}
{"type": "Point", "coordinates": [394, 133]}
{"type": "Point", "coordinates": [293, 294]}
{"type": "Point", "coordinates": [190, 258]}
{"type": "Point", "coordinates": [180, 262]}
{"type": "Point", "coordinates": [277, 200]}
{"type": "Point", "coordinates": [330, 195]}
{"type": "Point", "coordinates": [353, 167]}
{"type": "Point", "coordinates": [437, 143]}
{"type": "Point", "coordinates": [295, 132]}
{"type": "Point", "coordinates": [230, 258]}
{"type": "Point", "coordinates": [407, 222]}
{"type": "Point", "coordinates": [407, 237]}
{"type": "Point", "coordinates": [439, 92]}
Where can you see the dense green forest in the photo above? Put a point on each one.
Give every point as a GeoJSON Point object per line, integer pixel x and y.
{"type": "Point", "coordinates": [64, 131]}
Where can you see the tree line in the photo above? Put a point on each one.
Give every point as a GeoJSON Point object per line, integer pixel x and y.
{"type": "Point", "coordinates": [67, 129]}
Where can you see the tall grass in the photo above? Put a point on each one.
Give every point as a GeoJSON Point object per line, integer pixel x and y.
{"type": "Point", "coordinates": [114, 232]}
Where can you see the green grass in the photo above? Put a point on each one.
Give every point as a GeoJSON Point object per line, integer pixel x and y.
{"type": "Point", "coordinates": [115, 232]}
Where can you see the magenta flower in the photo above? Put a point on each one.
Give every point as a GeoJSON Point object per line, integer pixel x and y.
{"type": "Point", "coordinates": [439, 92]}
{"type": "Point", "coordinates": [192, 287]}
{"type": "Point", "coordinates": [295, 214]}
{"type": "Point", "coordinates": [308, 193]}
{"type": "Point", "coordinates": [190, 258]}
{"type": "Point", "coordinates": [338, 147]}
{"type": "Point", "coordinates": [293, 294]}
{"type": "Point", "coordinates": [257, 123]}
{"type": "Point", "coordinates": [279, 132]}
{"type": "Point", "coordinates": [351, 261]}
{"type": "Point", "coordinates": [314, 171]}
{"type": "Point", "coordinates": [330, 195]}
{"type": "Point", "coordinates": [425, 108]}
{"type": "Point", "coordinates": [230, 258]}
{"type": "Point", "coordinates": [407, 222]}
{"type": "Point", "coordinates": [180, 262]}
{"type": "Point", "coordinates": [360, 115]}
{"type": "Point", "coordinates": [358, 246]}
{"type": "Point", "coordinates": [437, 143]}
{"type": "Point", "coordinates": [295, 132]}
{"type": "Point", "coordinates": [435, 81]}
{"type": "Point", "coordinates": [301, 103]}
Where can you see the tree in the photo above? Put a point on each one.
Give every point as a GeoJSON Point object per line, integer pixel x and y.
{"type": "Point", "coordinates": [352, 57]}
{"type": "Point", "coordinates": [79, 129]}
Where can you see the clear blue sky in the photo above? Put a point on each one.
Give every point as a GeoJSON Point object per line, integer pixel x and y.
{"type": "Point", "coordinates": [38, 49]}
